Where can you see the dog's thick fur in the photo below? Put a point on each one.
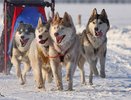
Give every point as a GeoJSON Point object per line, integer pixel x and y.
{"type": "Point", "coordinates": [66, 49]}
{"type": "Point", "coordinates": [94, 43]}
{"type": "Point", "coordinates": [38, 54]}
{"type": "Point", "coordinates": [21, 44]}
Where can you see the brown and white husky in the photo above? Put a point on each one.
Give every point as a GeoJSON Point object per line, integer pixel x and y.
{"type": "Point", "coordinates": [38, 55]}
{"type": "Point", "coordinates": [66, 48]}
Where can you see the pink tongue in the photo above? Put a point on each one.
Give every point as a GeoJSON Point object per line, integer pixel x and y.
{"type": "Point", "coordinates": [24, 42]}
{"type": "Point", "coordinates": [58, 38]}
{"type": "Point", "coordinates": [99, 33]}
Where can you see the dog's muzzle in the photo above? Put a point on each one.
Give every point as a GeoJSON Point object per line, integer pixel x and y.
{"type": "Point", "coordinates": [98, 33]}
{"type": "Point", "coordinates": [60, 38]}
{"type": "Point", "coordinates": [24, 41]}
{"type": "Point", "coordinates": [43, 41]}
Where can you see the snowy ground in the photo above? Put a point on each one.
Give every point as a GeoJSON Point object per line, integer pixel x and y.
{"type": "Point", "coordinates": [117, 84]}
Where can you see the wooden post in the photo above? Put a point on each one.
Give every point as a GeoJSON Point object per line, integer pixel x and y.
{"type": "Point", "coordinates": [53, 7]}
{"type": "Point", "coordinates": [79, 19]}
{"type": "Point", "coordinates": [5, 37]}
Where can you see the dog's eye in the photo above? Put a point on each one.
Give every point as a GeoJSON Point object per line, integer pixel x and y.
{"type": "Point", "coordinates": [21, 30]}
{"type": "Point", "coordinates": [62, 28]}
{"type": "Point", "coordinates": [56, 27]}
{"type": "Point", "coordinates": [100, 22]}
{"type": "Point", "coordinates": [94, 22]}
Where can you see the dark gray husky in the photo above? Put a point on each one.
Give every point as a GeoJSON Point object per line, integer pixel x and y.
{"type": "Point", "coordinates": [94, 43]}
{"type": "Point", "coordinates": [21, 44]}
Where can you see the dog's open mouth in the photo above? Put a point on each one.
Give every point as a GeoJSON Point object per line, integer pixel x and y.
{"type": "Point", "coordinates": [43, 41]}
{"type": "Point", "coordinates": [24, 42]}
{"type": "Point", "coordinates": [60, 38]}
{"type": "Point", "coordinates": [98, 33]}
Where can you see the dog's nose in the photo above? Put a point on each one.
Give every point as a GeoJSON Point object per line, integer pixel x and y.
{"type": "Point", "coordinates": [56, 34]}
{"type": "Point", "coordinates": [96, 28]}
{"type": "Point", "coordinates": [40, 36]}
{"type": "Point", "coordinates": [22, 37]}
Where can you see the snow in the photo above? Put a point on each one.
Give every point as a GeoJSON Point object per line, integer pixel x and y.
{"type": "Point", "coordinates": [117, 84]}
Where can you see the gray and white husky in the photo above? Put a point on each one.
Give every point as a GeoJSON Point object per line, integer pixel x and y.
{"type": "Point", "coordinates": [21, 44]}
{"type": "Point", "coordinates": [94, 43]}
{"type": "Point", "coordinates": [66, 49]}
{"type": "Point", "coordinates": [38, 54]}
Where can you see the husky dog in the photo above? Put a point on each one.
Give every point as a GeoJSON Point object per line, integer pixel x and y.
{"type": "Point", "coordinates": [21, 44]}
{"type": "Point", "coordinates": [38, 55]}
{"type": "Point", "coordinates": [94, 43]}
{"type": "Point", "coordinates": [66, 48]}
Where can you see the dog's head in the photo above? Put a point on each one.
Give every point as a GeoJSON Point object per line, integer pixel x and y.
{"type": "Point", "coordinates": [62, 29]}
{"type": "Point", "coordinates": [98, 24]}
{"type": "Point", "coordinates": [42, 32]}
{"type": "Point", "coordinates": [24, 35]}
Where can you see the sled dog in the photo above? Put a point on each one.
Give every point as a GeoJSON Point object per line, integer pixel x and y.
{"type": "Point", "coordinates": [21, 44]}
{"type": "Point", "coordinates": [38, 55]}
{"type": "Point", "coordinates": [66, 49]}
{"type": "Point", "coordinates": [94, 43]}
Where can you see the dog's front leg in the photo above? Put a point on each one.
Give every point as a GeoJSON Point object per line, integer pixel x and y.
{"type": "Point", "coordinates": [16, 64]}
{"type": "Point", "coordinates": [49, 75]}
{"type": "Point", "coordinates": [25, 70]}
{"type": "Point", "coordinates": [93, 70]}
{"type": "Point", "coordinates": [102, 63]}
{"type": "Point", "coordinates": [37, 70]}
{"type": "Point", "coordinates": [70, 68]}
{"type": "Point", "coordinates": [56, 70]}
{"type": "Point", "coordinates": [44, 76]}
{"type": "Point", "coordinates": [81, 63]}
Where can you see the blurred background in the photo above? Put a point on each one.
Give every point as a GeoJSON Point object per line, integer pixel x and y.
{"type": "Point", "coordinates": [94, 1]}
{"type": "Point", "coordinates": [89, 1]}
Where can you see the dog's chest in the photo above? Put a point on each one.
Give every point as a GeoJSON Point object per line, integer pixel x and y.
{"type": "Point", "coordinates": [96, 41]}
{"type": "Point", "coordinates": [89, 49]}
{"type": "Point", "coordinates": [41, 56]}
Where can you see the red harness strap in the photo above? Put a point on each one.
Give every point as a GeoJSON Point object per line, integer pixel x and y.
{"type": "Point", "coordinates": [55, 56]}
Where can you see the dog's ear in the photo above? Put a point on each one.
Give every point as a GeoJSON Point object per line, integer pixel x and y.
{"type": "Point", "coordinates": [103, 13]}
{"type": "Point", "coordinates": [48, 23]}
{"type": "Point", "coordinates": [66, 19]}
{"type": "Point", "coordinates": [21, 23]}
{"type": "Point", "coordinates": [94, 13]}
{"type": "Point", "coordinates": [40, 23]}
{"type": "Point", "coordinates": [56, 17]}
{"type": "Point", "coordinates": [31, 29]}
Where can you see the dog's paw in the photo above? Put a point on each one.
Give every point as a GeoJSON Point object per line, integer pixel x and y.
{"type": "Point", "coordinates": [40, 86]}
{"type": "Point", "coordinates": [70, 89]}
{"type": "Point", "coordinates": [83, 83]}
{"type": "Point", "coordinates": [40, 89]}
{"type": "Point", "coordinates": [102, 75]}
{"type": "Point", "coordinates": [91, 83]}
{"type": "Point", "coordinates": [60, 88]}
{"type": "Point", "coordinates": [22, 83]}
